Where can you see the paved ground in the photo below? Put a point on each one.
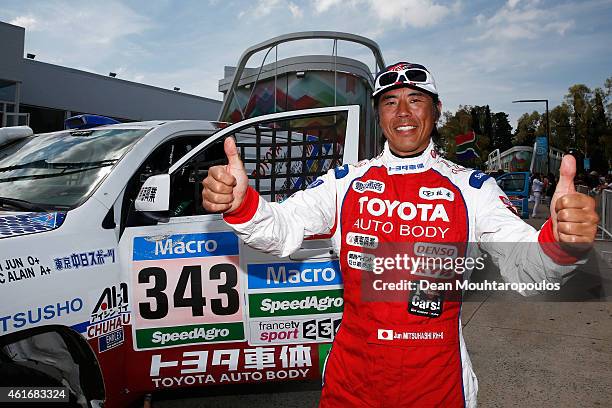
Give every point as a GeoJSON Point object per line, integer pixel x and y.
{"type": "Point", "coordinates": [526, 352]}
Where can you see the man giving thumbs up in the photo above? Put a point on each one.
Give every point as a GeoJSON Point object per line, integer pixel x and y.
{"type": "Point", "coordinates": [390, 353]}
{"type": "Point", "coordinates": [573, 215]}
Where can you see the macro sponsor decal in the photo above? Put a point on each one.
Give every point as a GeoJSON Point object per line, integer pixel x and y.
{"type": "Point", "coordinates": [185, 280]}
{"type": "Point", "coordinates": [30, 223]}
{"type": "Point", "coordinates": [362, 240]}
{"type": "Point", "coordinates": [185, 246]}
{"type": "Point", "coordinates": [295, 303]}
{"type": "Point", "coordinates": [293, 274]}
{"type": "Point", "coordinates": [359, 260]}
{"type": "Point", "coordinates": [369, 185]}
{"type": "Point", "coordinates": [15, 269]}
{"type": "Point", "coordinates": [314, 330]}
{"type": "Point", "coordinates": [111, 340]}
{"type": "Point", "coordinates": [40, 314]}
{"type": "Point", "coordinates": [436, 193]}
{"type": "Point", "coordinates": [85, 259]}
{"type": "Point", "coordinates": [236, 365]}
{"type": "Point", "coordinates": [182, 335]}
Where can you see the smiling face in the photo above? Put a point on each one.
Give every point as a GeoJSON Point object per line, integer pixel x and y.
{"type": "Point", "coordinates": [407, 117]}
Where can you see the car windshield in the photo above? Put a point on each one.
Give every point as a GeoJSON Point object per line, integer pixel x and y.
{"type": "Point", "coordinates": [59, 171]}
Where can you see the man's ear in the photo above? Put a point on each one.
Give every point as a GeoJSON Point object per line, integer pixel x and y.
{"type": "Point", "coordinates": [438, 108]}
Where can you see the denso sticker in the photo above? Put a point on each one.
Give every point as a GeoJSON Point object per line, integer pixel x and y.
{"type": "Point", "coordinates": [436, 193]}
{"type": "Point", "coordinates": [314, 330]}
{"type": "Point", "coordinates": [295, 303]}
{"type": "Point", "coordinates": [433, 250]}
{"type": "Point", "coordinates": [369, 185]}
{"type": "Point", "coordinates": [293, 274]}
{"type": "Point", "coordinates": [362, 240]}
{"type": "Point", "coordinates": [359, 260]}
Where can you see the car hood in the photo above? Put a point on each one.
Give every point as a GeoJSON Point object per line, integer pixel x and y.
{"type": "Point", "coordinates": [15, 224]}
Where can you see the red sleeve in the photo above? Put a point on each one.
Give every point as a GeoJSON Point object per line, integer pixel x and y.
{"type": "Point", "coordinates": [551, 247]}
{"type": "Point", "coordinates": [246, 210]}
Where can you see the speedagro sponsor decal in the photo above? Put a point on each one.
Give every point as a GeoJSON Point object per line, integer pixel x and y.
{"type": "Point", "coordinates": [194, 334]}
{"type": "Point", "coordinates": [295, 303]}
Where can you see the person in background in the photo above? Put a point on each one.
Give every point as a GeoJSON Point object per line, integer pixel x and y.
{"type": "Point", "coordinates": [537, 186]}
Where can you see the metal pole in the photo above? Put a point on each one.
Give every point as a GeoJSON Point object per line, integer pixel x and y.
{"type": "Point", "coordinates": [547, 141]}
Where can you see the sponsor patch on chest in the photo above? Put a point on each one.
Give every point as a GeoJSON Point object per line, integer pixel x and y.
{"type": "Point", "coordinates": [436, 193]}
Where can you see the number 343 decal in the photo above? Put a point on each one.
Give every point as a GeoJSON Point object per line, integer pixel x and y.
{"type": "Point", "coordinates": [188, 292]}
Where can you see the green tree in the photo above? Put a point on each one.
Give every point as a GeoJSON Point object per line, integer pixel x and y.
{"type": "Point", "coordinates": [561, 130]}
{"type": "Point", "coordinates": [528, 126]}
{"type": "Point", "coordinates": [501, 137]}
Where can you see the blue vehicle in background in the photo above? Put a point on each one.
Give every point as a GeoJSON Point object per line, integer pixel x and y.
{"type": "Point", "coordinates": [516, 187]}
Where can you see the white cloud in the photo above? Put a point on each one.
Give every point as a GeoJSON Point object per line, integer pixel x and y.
{"type": "Point", "coordinates": [522, 21]}
{"type": "Point", "coordinates": [322, 6]}
{"type": "Point", "coordinates": [262, 9]}
{"type": "Point", "coordinates": [295, 10]}
{"type": "Point", "coordinates": [29, 22]}
{"type": "Point", "coordinates": [415, 13]}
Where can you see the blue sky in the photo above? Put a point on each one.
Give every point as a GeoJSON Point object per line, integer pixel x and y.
{"type": "Point", "coordinates": [480, 52]}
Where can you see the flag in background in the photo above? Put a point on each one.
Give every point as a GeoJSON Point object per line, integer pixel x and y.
{"type": "Point", "coordinates": [466, 146]}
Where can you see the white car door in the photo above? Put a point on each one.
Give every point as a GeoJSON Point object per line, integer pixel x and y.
{"type": "Point", "coordinates": [199, 295]}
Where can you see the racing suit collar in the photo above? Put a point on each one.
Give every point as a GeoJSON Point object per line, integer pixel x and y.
{"type": "Point", "coordinates": [418, 164]}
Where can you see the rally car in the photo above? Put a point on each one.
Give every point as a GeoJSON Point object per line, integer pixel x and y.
{"type": "Point", "coordinates": [116, 283]}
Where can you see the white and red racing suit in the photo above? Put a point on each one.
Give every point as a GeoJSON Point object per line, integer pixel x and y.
{"type": "Point", "coordinates": [390, 354]}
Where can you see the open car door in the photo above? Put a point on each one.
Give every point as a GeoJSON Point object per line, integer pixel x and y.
{"type": "Point", "coordinates": [201, 298]}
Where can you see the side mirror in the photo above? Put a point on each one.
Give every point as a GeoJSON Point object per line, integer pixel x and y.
{"type": "Point", "coordinates": [154, 195]}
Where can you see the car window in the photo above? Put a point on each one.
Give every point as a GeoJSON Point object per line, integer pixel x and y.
{"type": "Point", "coordinates": [183, 200]}
{"type": "Point", "coordinates": [280, 157]}
{"type": "Point", "coordinates": [62, 169]}
{"type": "Point", "coordinates": [512, 182]}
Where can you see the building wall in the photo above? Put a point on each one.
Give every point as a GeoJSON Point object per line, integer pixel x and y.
{"type": "Point", "coordinates": [73, 90]}
{"type": "Point", "coordinates": [11, 51]}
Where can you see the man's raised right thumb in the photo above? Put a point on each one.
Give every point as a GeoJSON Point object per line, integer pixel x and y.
{"type": "Point", "coordinates": [231, 151]}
